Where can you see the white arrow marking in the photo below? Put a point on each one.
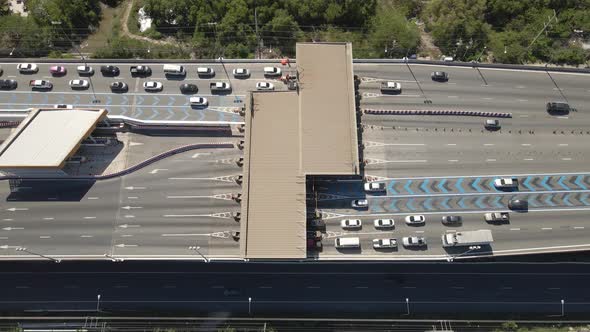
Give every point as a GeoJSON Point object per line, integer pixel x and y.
{"type": "Point", "coordinates": [133, 188]}
{"type": "Point", "coordinates": [135, 143]}
{"type": "Point", "coordinates": [131, 207]}
{"type": "Point", "coordinates": [158, 169]}
{"type": "Point", "coordinates": [122, 245]}
{"type": "Point", "coordinates": [12, 228]}
{"type": "Point", "coordinates": [129, 226]}
{"type": "Point", "coordinates": [16, 209]}
{"type": "Point", "coordinates": [200, 154]}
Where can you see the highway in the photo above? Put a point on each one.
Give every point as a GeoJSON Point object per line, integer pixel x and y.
{"type": "Point", "coordinates": [432, 165]}
{"type": "Point", "coordinates": [450, 290]}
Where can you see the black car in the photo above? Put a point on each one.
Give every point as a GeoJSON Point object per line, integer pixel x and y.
{"type": "Point", "coordinates": [558, 107]}
{"type": "Point", "coordinates": [109, 70]}
{"type": "Point", "coordinates": [439, 76]}
{"type": "Point", "coordinates": [492, 124]}
{"type": "Point", "coordinates": [447, 220]}
{"type": "Point", "coordinates": [8, 84]}
{"type": "Point", "coordinates": [188, 88]}
{"type": "Point", "coordinates": [119, 87]}
{"type": "Point", "coordinates": [518, 204]}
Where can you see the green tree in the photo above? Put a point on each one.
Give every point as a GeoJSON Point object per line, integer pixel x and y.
{"type": "Point", "coordinates": [393, 32]}
{"type": "Point", "coordinates": [282, 31]}
{"type": "Point", "coordinates": [4, 8]}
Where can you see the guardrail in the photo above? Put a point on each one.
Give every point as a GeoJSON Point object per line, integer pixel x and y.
{"type": "Point", "coordinates": [438, 112]}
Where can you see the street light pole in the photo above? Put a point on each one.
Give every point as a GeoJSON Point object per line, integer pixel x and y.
{"type": "Point", "coordinates": [58, 23]}
{"type": "Point", "coordinates": [472, 248]}
{"type": "Point", "coordinates": [250, 306]}
{"type": "Point", "coordinates": [407, 306]}
{"type": "Point", "coordinates": [562, 308]}
{"type": "Point", "coordinates": [196, 248]}
{"type": "Point", "coordinates": [98, 303]}
{"type": "Point", "coordinates": [37, 254]}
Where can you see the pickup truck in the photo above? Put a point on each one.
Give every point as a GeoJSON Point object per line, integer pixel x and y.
{"type": "Point", "coordinates": [497, 217]}
{"type": "Point", "coordinates": [140, 70]}
{"type": "Point", "coordinates": [219, 86]}
{"type": "Point", "coordinates": [40, 84]}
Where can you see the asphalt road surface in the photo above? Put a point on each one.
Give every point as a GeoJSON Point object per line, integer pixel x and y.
{"type": "Point", "coordinates": [298, 290]}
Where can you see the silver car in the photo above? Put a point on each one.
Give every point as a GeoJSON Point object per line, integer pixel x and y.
{"type": "Point", "coordinates": [384, 243]}
{"type": "Point", "coordinates": [414, 241]}
{"type": "Point", "coordinates": [152, 86]}
{"type": "Point", "coordinates": [79, 84]}
{"type": "Point", "coordinates": [359, 203]}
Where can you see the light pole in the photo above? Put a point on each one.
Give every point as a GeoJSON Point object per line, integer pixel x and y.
{"type": "Point", "coordinates": [407, 306]}
{"type": "Point", "coordinates": [471, 248]}
{"type": "Point", "coordinates": [562, 308]}
{"type": "Point", "coordinates": [98, 303]}
{"type": "Point", "coordinates": [250, 306]}
{"type": "Point", "coordinates": [37, 254]}
{"type": "Point", "coordinates": [196, 248]}
{"type": "Point", "coordinates": [480, 54]}
{"type": "Point", "coordinates": [114, 259]}
{"type": "Point", "coordinates": [58, 23]}
{"type": "Point", "coordinates": [11, 51]}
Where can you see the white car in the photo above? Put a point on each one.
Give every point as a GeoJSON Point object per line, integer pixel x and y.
{"type": "Point", "coordinates": [384, 243]}
{"type": "Point", "coordinates": [359, 203]}
{"type": "Point", "coordinates": [415, 219]}
{"type": "Point", "coordinates": [265, 86]}
{"type": "Point", "coordinates": [272, 71]}
{"type": "Point", "coordinates": [63, 106]}
{"type": "Point", "coordinates": [27, 68]}
{"type": "Point", "coordinates": [205, 71]}
{"type": "Point", "coordinates": [414, 241]}
{"type": "Point", "coordinates": [506, 183]}
{"type": "Point", "coordinates": [384, 223]}
{"type": "Point", "coordinates": [79, 84]}
{"type": "Point", "coordinates": [241, 73]}
{"type": "Point", "coordinates": [85, 70]}
{"type": "Point", "coordinates": [152, 86]}
{"type": "Point", "coordinates": [199, 101]}
{"type": "Point", "coordinates": [390, 86]}
{"type": "Point", "coordinates": [374, 186]}
{"type": "Point", "coordinates": [350, 223]}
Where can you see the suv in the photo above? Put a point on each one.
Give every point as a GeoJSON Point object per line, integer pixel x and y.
{"type": "Point", "coordinates": [439, 76]}
{"type": "Point", "coordinates": [450, 220]}
{"type": "Point", "coordinates": [109, 70]}
{"type": "Point", "coordinates": [8, 84]}
{"type": "Point", "coordinates": [188, 88]}
{"type": "Point", "coordinates": [558, 107]}
{"type": "Point", "coordinates": [518, 204]}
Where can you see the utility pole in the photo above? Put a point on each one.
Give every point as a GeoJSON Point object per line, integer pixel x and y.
{"type": "Point", "coordinates": [258, 45]}
{"type": "Point", "coordinates": [545, 26]}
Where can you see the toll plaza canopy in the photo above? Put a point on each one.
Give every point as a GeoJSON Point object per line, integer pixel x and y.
{"type": "Point", "coordinates": [290, 135]}
{"type": "Point", "coordinates": [46, 138]}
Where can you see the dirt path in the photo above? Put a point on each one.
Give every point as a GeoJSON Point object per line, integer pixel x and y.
{"type": "Point", "coordinates": [427, 45]}
{"type": "Point", "coordinates": [126, 32]}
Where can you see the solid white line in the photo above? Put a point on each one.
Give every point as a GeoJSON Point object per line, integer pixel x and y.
{"type": "Point", "coordinates": [7, 219]}
{"type": "Point", "coordinates": [491, 193]}
{"type": "Point", "coordinates": [546, 228]}
{"type": "Point", "coordinates": [515, 229]}
{"type": "Point", "coordinates": [578, 227]}
{"type": "Point", "coordinates": [562, 117]}
{"type": "Point", "coordinates": [484, 176]}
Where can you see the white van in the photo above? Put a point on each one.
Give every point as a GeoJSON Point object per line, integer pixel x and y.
{"type": "Point", "coordinates": [205, 71]}
{"type": "Point", "coordinates": [174, 70]}
{"type": "Point", "coordinates": [347, 242]}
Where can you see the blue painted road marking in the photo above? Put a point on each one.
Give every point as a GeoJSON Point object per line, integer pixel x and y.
{"type": "Point", "coordinates": [123, 110]}
{"type": "Point", "coordinates": [155, 113]}
{"type": "Point", "coordinates": [492, 186]}
{"type": "Point", "coordinates": [461, 203]}
{"type": "Point", "coordinates": [407, 187]}
{"type": "Point", "coordinates": [393, 206]}
{"type": "Point", "coordinates": [566, 200]}
{"type": "Point", "coordinates": [444, 203]}
{"type": "Point", "coordinates": [475, 183]}
{"type": "Point", "coordinates": [458, 185]}
{"type": "Point", "coordinates": [125, 100]}
{"type": "Point", "coordinates": [170, 113]}
{"type": "Point", "coordinates": [409, 204]}
{"type": "Point", "coordinates": [428, 203]}
{"type": "Point", "coordinates": [390, 187]}
{"type": "Point", "coordinates": [138, 112]}
{"type": "Point", "coordinates": [563, 184]}
{"type": "Point", "coordinates": [584, 199]}
{"type": "Point", "coordinates": [171, 101]}
{"type": "Point", "coordinates": [424, 186]}
{"type": "Point", "coordinates": [441, 185]}
{"type": "Point", "coordinates": [45, 99]}
{"type": "Point", "coordinates": [77, 101]}
{"type": "Point", "coordinates": [497, 201]}
{"type": "Point", "coordinates": [527, 184]}
{"type": "Point", "coordinates": [545, 184]}
{"type": "Point", "coordinates": [479, 202]}
{"type": "Point", "coordinates": [139, 100]}
{"type": "Point", "coordinates": [579, 182]}
{"type": "Point", "coordinates": [156, 101]}
{"type": "Point", "coordinates": [548, 200]}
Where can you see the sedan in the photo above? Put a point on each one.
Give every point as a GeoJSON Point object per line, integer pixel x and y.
{"type": "Point", "coordinates": [119, 87]}
{"type": "Point", "coordinates": [359, 203]}
{"type": "Point", "coordinates": [241, 73]}
{"type": "Point", "coordinates": [85, 70]}
{"type": "Point", "coordinates": [492, 124]}
{"type": "Point", "coordinates": [152, 86]}
{"type": "Point", "coordinates": [58, 70]}
{"type": "Point", "coordinates": [79, 84]}
{"type": "Point", "coordinates": [416, 219]}
{"type": "Point", "coordinates": [449, 220]}
{"type": "Point", "coordinates": [374, 186]}
{"type": "Point", "coordinates": [350, 223]}
{"type": "Point", "coordinates": [384, 243]}
{"type": "Point", "coordinates": [384, 223]}
{"type": "Point", "coordinates": [8, 84]}
{"type": "Point", "coordinates": [188, 88]}
{"type": "Point", "coordinates": [439, 76]}
{"type": "Point", "coordinates": [272, 71]}
{"type": "Point", "coordinates": [518, 204]}
{"type": "Point", "coordinates": [264, 86]}
{"type": "Point", "coordinates": [28, 68]}
{"type": "Point", "coordinates": [199, 101]}
{"type": "Point", "coordinates": [506, 183]}
{"type": "Point", "coordinates": [414, 241]}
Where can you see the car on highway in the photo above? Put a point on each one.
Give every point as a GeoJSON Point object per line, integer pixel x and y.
{"type": "Point", "coordinates": [205, 71]}
{"type": "Point", "coordinates": [119, 86]}
{"type": "Point", "coordinates": [492, 124]}
{"type": "Point", "coordinates": [40, 85]}
{"type": "Point", "coordinates": [497, 217]}
{"type": "Point", "coordinates": [241, 73]}
{"type": "Point", "coordinates": [518, 204]}
{"type": "Point", "coordinates": [152, 86]}
{"type": "Point", "coordinates": [79, 84]}
{"type": "Point", "coordinates": [350, 223]}
{"type": "Point", "coordinates": [264, 86]}
{"type": "Point", "coordinates": [416, 219]}
{"type": "Point", "coordinates": [359, 203]}
{"type": "Point", "coordinates": [188, 88]}
{"type": "Point", "coordinates": [558, 107]}
{"type": "Point", "coordinates": [374, 187]}
{"type": "Point", "coordinates": [27, 68]}
{"type": "Point", "coordinates": [506, 183]}
{"type": "Point", "coordinates": [64, 106]}
{"type": "Point", "coordinates": [391, 87]}
{"type": "Point", "coordinates": [451, 220]}
{"type": "Point", "coordinates": [58, 70]}
{"type": "Point", "coordinates": [198, 101]}
{"type": "Point", "coordinates": [85, 70]}
{"type": "Point", "coordinates": [414, 241]}
{"type": "Point", "coordinates": [220, 87]}
{"type": "Point", "coordinates": [141, 71]}
{"type": "Point", "coordinates": [272, 71]}
{"type": "Point", "coordinates": [8, 84]}
{"type": "Point", "coordinates": [109, 70]}
{"type": "Point", "coordinates": [439, 76]}
{"type": "Point", "coordinates": [383, 223]}
{"type": "Point", "coordinates": [1, 71]}
{"type": "Point", "coordinates": [386, 243]}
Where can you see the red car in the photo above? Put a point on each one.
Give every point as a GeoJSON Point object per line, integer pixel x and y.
{"type": "Point", "coordinates": [58, 70]}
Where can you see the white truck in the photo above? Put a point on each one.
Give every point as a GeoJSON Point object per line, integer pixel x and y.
{"type": "Point", "coordinates": [467, 238]}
